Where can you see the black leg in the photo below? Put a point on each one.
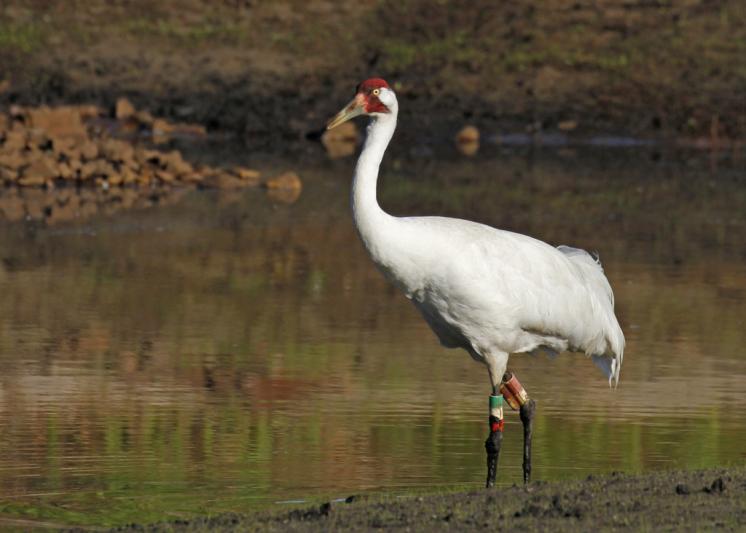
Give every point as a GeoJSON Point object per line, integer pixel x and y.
{"type": "Point", "coordinates": [527, 412]}
{"type": "Point", "coordinates": [495, 438]}
{"type": "Point", "coordinates": [517, 398]}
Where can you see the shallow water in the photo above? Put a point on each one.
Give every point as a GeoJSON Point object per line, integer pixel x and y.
{"type": "Point", "coordinates": [226, 352]}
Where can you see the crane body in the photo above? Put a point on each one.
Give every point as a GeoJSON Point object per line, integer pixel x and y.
{"type": "Point", "coordinates": [491, 292]}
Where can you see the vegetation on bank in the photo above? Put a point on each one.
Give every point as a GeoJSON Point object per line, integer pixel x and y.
{"type": "Point", "coordinates": [706, 499]}
{"type": "Point", "coordinates": [651, 68]}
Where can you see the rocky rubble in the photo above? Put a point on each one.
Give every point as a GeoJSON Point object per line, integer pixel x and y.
{"type": "Point", "coordinates": [49, 149]}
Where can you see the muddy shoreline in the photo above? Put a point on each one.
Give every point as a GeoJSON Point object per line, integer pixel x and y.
{"type": "Point", "coordinates": [272, 73]}
{"type": "Point", "coordinates": [678, 500]}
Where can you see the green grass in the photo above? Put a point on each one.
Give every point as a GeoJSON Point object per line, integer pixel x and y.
{"type": "Point", "coordinates": [23, 38]}
{"type": "Point", "coordinates": [194, 34]}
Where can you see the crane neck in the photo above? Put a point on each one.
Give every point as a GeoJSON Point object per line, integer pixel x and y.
{"type": "Point", "coordinates": [368, 215]}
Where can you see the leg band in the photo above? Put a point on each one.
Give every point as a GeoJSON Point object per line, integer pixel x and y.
{"type": "Point", "coordinates": [496, 413]}
{"type": "Point", "coordinates": [495, 438]}
{"type": "Point", "coordinates": [513, 391]}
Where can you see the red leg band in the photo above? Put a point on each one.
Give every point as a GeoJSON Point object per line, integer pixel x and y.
{"type": "Point", "coordinates": [513, 391]}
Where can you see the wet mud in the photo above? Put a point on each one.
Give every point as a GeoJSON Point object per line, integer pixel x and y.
{"type": "Point", "coordinates": [674, 500]}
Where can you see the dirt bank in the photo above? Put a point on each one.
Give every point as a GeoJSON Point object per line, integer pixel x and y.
{"type": "Point", "coordinates": [682, 501]}
{"type": "Point", "coordinates": [274, 71]}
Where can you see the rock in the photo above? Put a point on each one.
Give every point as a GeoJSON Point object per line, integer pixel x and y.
{"type": "Point", "coordinates": [104, 168]}
{"type": "Point", "coordinates": [7, 175]}
{"type": "Point", "coordinates": [341, 141]}
{"type": "Point", "coordinates": [467, 140]}
{"type": "Point", "coordinates": [192, 177]}
{"type": "Point", "coordinates": [12, 160]}
{"type": "Point", "coordinates": [144, 118]}
{"type": "Point", "coordinates": [165, 176]}
{"type": "Point", "coordinates": [66, 147]}
{"type": "Point", "coordinates": [37, 173]}
{"type": "Point", "coordinates": [467, 134]}
{"type": "Point", "coordinates": [151, 157]}
{"type": "Point", "coordinates": [128, 175]}
{"type": "Point", "coordinates": [161, 127]}
{"type": "Point", "coordinates": [161, 131]}
{"type": "Point", "coordinates": [14, 140]}
{"type": "Point", "coordinates": [221, 180]}
{"type": "Point", "coordinates": [63, 121]}
{"type": "Point", "coordinates": [129, 126]}
{"type": "Point", "coordinates": [287, 180]}
{"type": "Point", "coordinates": [124, 109]}
{"type": "Point", "coordinates": [191, 129]}
{"type": "Point", "coordinates": [88, 170]}
{"type": "Point", "coordinates": [175, 163]}
{"type": "Point", "coordinates": [64, 171]}
{"type": "Point", "coordinates": [116, 150]}
{"type": "Point", "coordinates": [248, 175]}
{"type": "Point", "coordinates": [38, 138]}
{"type": "Point", "coordinates": [567, 125]}
{"type": "Point", "coordinates": [132, 163]}
{"type": "Point", "coordinates": [89, 150]}
{"type": "Point", "coordinates": [115, 178]}
{"type": "Point", "coordinates": [90, 111]}
{"type": "Point", "coordinates": [145, 176]}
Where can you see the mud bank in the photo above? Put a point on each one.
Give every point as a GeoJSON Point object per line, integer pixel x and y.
{"type": "Point", "coordinates": [679, 500]}
{"type": "Point", "coordinates": [275, 71]}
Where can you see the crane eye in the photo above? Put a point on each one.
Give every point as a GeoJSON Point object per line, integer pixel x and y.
{"type": "Point", "coordinates": [376, 92]}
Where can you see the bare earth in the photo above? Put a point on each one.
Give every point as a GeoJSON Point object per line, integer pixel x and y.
{"type": "Point", "coordinates": [662, 501]}
{"type": "Point", "coordinates": [274, 71]}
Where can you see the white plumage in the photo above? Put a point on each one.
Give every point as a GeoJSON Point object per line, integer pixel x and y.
{"type": "Point", "coordinates": [489, 291]}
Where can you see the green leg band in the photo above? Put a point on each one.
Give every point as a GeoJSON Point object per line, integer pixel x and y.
{"type": "Point", "coordinates": [496, 413]}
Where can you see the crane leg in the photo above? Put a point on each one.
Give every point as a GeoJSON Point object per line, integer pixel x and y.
{"type": "Point", "coordinates": [527, 414]}
{"type": "Point", "coordinates": [517, 398]}
{"type": "Point", "coordinates": [495, 438]}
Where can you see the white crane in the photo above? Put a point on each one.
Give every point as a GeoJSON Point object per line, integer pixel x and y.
{"type": "Point", "coordinates": [488, 291]}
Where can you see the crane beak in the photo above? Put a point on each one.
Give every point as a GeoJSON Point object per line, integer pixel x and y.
{"type": "Point", "coordinates": [354, 108]}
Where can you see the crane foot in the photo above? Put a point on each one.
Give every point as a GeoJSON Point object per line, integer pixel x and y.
{"type": "Point", "coordinates": [495, 438]}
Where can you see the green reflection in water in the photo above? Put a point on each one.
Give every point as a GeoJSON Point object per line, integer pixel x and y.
{"type": "Point", "coordinates": [223, 353]}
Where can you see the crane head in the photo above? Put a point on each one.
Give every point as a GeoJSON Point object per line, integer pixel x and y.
{"type": "Point", "coordinates": [373, 96]}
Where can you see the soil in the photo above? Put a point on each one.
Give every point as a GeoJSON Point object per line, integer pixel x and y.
{"type": "Point", "coordinates": [275, 71]}
{"type": "Point", "coordinates": [673, 500]}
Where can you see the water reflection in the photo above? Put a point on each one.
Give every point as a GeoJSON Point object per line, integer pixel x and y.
{"type": "Point", "coordinates": [226, 352]}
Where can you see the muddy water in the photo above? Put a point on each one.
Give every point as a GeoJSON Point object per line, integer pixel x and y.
{"type": "Point", "coordinates": [225, 352]}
